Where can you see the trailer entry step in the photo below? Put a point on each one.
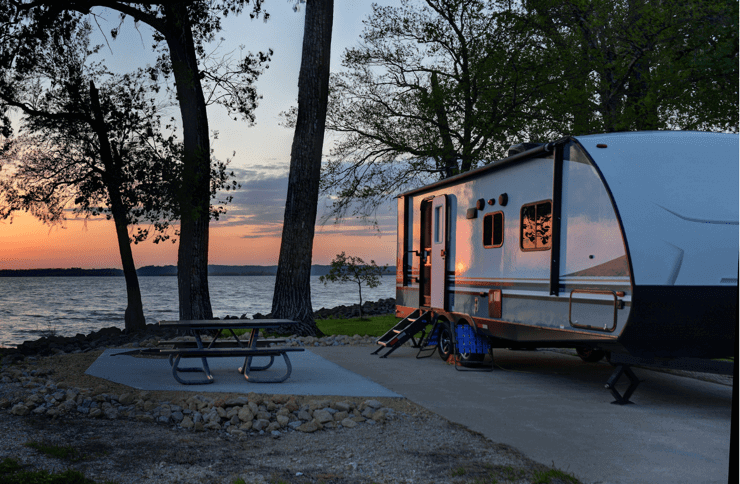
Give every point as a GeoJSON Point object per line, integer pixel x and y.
{"type": "Point", "coordinates": [404, 331]}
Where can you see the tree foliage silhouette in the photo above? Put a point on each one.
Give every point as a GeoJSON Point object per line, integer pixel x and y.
{"type": "Point", "coordinates": [181, 31]}
{"type": "Point", "coordinates": [92, 151]}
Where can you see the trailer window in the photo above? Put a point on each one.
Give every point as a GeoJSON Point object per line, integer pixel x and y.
{"type": "Point", "coordinates": [437, 237]}
{"type": "Point", "coordinates": [536, 227]}
{"type": "Point", "coordinates": [493, 230]}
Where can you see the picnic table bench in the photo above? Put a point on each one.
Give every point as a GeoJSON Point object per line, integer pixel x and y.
{"type": "Point", "coordinates": [247, 353]}
{"type": "Point", "coordinates": [250, 348]}
{"type": "Point", "coordinates": [261, 343]}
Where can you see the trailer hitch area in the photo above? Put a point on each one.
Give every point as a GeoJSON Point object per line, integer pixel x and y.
{"type": "Point", "coordinates": [612, 381]}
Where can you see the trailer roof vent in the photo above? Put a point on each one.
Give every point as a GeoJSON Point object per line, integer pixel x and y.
{"type": "Point", "coordinates": [522, 147]}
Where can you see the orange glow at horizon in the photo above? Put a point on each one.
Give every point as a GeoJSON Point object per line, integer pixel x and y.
{"type": "Point", "coordinates": [26, 243]}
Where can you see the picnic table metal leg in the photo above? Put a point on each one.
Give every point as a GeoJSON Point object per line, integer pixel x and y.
{"type": "Point", "coordinates": [206, 370]}
{"type": "Point", "coordinates": [248, 360]}
{"type": "Point", "coordinates": [191, 369]}
{"type": "Point", "coordinates": [248, 364]}
{"type": "Point", "coordinates": [204, 362]}
{"type": "Point", "coordinates": [289, 368]}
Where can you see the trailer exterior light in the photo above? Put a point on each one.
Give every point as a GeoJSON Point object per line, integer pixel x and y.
{"type": "Point", "coordinates": [491, 201]}
{"type": "Point", "coordinates": [601, 145]}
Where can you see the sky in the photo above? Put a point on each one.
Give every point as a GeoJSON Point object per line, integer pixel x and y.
{"type": "Point", "coordinates": [249, 234]}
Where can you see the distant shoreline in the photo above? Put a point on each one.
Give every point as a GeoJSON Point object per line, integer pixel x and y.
{"type": "Point", "coordinates": [146, 271]}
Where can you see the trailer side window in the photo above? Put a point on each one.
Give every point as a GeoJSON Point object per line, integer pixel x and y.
{"type": "Point", "coordinates": [536, 227]}
{"type": "Point", "coordinates": [493, 230]}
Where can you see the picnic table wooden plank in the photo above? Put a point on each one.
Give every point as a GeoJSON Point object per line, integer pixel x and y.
{"type": "Point", "coordinates": [222, 352]}
{"type": "Point", "coordinates": [228, 323]}
{"type": "Point", "coordinates": [226, 343]}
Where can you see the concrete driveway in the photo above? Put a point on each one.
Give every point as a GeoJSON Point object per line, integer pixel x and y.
{"type": "Point", "coordinates": [554, 409]}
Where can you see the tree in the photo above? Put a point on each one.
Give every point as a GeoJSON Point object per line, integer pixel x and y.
{"type": "Point", "coordinates": [353, 269]}
{"type": "Point", "coordinates": [436, 88]}
{"type": "Point", "coordinates": [95, 151]}
{"type": "Point", "coordinates": [641, 64]}
{"type": "Point", "coordinates": [184, 27]}
{"type": "Point", "coordinates": [292, 295]}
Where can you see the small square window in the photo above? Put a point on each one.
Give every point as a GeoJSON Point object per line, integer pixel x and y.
{"type": "Point", "coordinates": [493, 230]}
{"type": "Point", "coordinates": [536, 226]}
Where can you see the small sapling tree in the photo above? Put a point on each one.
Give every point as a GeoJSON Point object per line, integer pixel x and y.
{"type": "Point", "coordinates": [346, 268]}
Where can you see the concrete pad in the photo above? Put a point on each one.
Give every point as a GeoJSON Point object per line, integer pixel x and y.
{"type": "Point", "coordinates": [311, 375]}
{"type": "Point", "coordinates": [554, 409]}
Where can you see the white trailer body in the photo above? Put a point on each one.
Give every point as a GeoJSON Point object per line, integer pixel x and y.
{"type": "Point", "coordinates": [625, 242]}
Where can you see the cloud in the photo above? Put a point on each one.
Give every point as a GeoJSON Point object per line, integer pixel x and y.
{"type": "Point", "coordinates": [259, 202]}
{"type": "Point", "coordinates": [259, 206]}
{"type": "Point", "coordinates": [285, 167]}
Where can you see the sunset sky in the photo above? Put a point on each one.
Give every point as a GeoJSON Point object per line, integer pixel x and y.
{"type": "Point", "coordinates": [250, 232]}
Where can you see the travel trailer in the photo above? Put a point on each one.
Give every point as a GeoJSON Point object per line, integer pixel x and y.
{"type": "Point", "coordinates": [621, 244]}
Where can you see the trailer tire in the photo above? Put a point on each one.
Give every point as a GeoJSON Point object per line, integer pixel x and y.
{"type": "Point", "coordinates": [590, 355]}
{"type": "Point", "coordinates": [444, 347]}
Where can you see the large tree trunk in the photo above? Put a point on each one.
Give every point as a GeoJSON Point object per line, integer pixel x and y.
{"type": "Point", "coordinates": [638, 104]}
{"type": "Point", "coordinates": [134, 315]}
{"type": "Point", "coordinates": [194, 194]}
{"type": "Point", "coordinates": [292, 296]}
{"type": "Point", "coordinates": [449, 156]}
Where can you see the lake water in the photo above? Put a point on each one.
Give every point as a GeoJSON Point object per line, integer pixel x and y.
{"type": "Point", "coordinates": [31, 306]}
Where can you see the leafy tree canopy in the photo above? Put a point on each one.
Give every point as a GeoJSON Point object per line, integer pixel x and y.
{"type": "Point", "coordinates": [180, 31]}
{"type": "Point", "coordinates": [640, 64]}
{"type": "Point", "coordinates": [436, 88]}
{"type": "Point", "coordinates": [55, 164]}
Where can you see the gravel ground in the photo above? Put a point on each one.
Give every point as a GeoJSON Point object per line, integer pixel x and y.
{"type": "Point", "coordinates": [410, 445]}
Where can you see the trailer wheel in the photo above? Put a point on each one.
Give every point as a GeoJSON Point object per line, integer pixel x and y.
{"type": "Point", "coordinates": [590, 355]}
{"type": "Point", "coordinates": [445, 342]}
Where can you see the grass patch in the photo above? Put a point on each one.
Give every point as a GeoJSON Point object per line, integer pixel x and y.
{"type": "Point", "coordinates": [372, 326]}
{"type": "Point", "coordinates": [509, 473]}
{"type": "Point", "coordinates": [546, 477]}
{"type": "Point", "coordinates": [460, 471]}
{"type": "Point", "coordinates": [65, 452]}
{"type": "Point", "coordinates": [11, 472]}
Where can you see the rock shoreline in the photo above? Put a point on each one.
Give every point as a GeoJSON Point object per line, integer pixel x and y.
{"type": "Point", "coordinates": [35, 393]}
{"type": "Point", "coordinates": [113, 336]}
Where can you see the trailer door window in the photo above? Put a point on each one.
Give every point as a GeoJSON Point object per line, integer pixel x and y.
{"type": "Point", "coordinates": [493, 230]}
{"type": "Point", "coordinates": [536, 227]}
{"type": "Point", "coordinates": [437, 237]}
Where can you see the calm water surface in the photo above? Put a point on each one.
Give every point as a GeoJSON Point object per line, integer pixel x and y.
{"type": "Point", "coordinates": [31, 306]}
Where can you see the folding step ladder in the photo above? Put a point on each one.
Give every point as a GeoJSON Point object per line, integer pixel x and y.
{"type": "Point", "coordinates": [430, 341]}
{"type": "Point", "coordinates": [404, 331]}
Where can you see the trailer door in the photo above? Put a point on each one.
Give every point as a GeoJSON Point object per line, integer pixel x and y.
{"type": "Point", "coordinates": [439, 251]}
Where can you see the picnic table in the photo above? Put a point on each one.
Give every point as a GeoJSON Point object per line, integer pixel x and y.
{"type": "Point", "coordinates": [250, 347]}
